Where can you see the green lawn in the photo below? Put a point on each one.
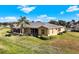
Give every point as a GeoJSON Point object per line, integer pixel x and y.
{"type": "Point", "coordinates": [66, 43]}
{"type": "Point", "coordinates": [24, 44]}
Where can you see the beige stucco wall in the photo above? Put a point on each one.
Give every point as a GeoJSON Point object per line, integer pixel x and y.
{"type": "Point", "coordinates": [62, 29]}
{"type": "Point", "coordinates": [45, 30]}
{"type": "Point", "coordinates": [52, 32]}
{"type": "Point", "coordinates": [55, 31]}
{"type": "Point", "coordinates": [48, 32]}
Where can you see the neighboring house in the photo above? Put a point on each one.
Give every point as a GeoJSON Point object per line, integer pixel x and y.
{"type": "Point", "coordinates": [5, 25]}
{"type": "Point", "coordinates": [37, 28]}
{"type": "Point", "coordinates": [75, 27]}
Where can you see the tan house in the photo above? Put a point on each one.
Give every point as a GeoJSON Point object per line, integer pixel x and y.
{"type": "Point", "coordinates": [37, 28]}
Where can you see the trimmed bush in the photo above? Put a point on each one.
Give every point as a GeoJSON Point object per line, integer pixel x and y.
{"type": "Point", "coordinates": [60, 33]}
{"type": "Point", "coordinates": [44, 37]}
{"type": "Point", "coordinates": [8, 35]}
{"type": "Point", "coordinates": [64, 31]}
{"type": "Point", "coordinates": [51, 37]}
{"type": "Point", "coordinates": [9, 31]}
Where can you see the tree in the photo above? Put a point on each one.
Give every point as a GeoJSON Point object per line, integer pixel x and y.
{"type": "Point", "coordinates": [23, 19]}
{"type": "Point", "coordinates": [78, 22]}
{"type": "Point", "coordinates": [68, 25]}
{"type": "Point", "coordinates": [73, 21]}
{"type": "Point", "coordinates": [23, 22]}
{"type": "Point", "coordinates": [53, 22]}
{"type": "Point", "coordinates": [62, 23]}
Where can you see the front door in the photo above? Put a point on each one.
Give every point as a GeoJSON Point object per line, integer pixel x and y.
{"type": "Point", "coordinates": [34, 31]}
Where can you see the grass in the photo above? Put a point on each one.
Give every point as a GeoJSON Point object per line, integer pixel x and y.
{"type": "Point", "coordinates": [24, 44]}
{"type": "Point", "coordinates": [66, 43]}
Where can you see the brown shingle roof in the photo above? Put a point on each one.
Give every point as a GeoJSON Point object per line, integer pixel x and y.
{"type": "Point", "coordinates": [39, 24]}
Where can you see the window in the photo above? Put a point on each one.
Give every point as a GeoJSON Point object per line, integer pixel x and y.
{"type": "Point", "coordinates": [59, 29]}
{"type": "Point", "coordinates": [42, 31]}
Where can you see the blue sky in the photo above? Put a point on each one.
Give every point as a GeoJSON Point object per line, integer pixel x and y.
{"type": "Point", "coordinates": [11, 13]}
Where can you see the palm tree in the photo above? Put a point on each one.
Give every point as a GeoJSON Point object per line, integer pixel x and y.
{"type": "Point", "coordinates": [22, 22]}
{"type": "Point", "coordinates": [23, 19]}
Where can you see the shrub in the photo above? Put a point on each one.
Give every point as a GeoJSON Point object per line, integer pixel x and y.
{"type": "Point", "coordinates": [8, 35]}
{"type": "Point", "coordinates": [9, 31]}
{"type": "Point", "coordinates": [44, 37]}
{"type": "Point", "coordinates": [64, 31]}
{"type": "Point", "coordinates": [20, 35]}
{"type": "Point", "coordinates": [51, 37]}
{"type": "Point", "coordinates": [60, 33]}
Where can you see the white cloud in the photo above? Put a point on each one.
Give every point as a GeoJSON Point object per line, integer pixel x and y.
{"type": "Point", "coordinates": [72, 8]}
{"type": "Point", "coordinates": [44, 18]}
{"type": "Point", "coordinates": [26, 9]}
{"type": "Point", "coordinates": [77, 15]}
{"type": "Point", "coordinates": [8, 19]}
{"type": "Point", "coordinates": [62, 12]}
{"type": "Point", "coordinates": [1, 18]}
